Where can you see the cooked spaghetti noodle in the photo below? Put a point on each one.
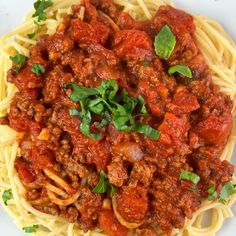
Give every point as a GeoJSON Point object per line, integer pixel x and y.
{"type": "Point", "coordinates": [220, 54]}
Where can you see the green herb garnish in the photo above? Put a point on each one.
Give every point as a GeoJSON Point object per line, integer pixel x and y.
{"type": "Point", "coordinates": [181, 69]}
{"type": "Point", "coordinates": [32, 35]}
{"type": "Point", "coordinates": [148, 131]}
{"type": "Point", "coordinates": [19, 60]}
{"type": "Point", "coordinates": [40, 6]}
{"type": "Point", "coordinates": [190, 176]}
{"type": "Point", "coordinates": [38, 69]}
{"type": "Point", "coordinates": [212, 193]}
{"type": "Point", "coordinates": [227, 190]}
{"type": "Point", "coordinates": [104, 185]}
{"type": "Point", "coordinates": [7, 195]}
{"type": "Point", "coordinates": [30, 229]}
{"type": "Point", "coordinates": [164, 43]}
{"type": "Point", "coordinates": [105, 102]}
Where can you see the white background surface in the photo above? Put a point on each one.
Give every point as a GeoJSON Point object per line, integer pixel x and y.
{"type": "Point", "coordinates": [224, 11]}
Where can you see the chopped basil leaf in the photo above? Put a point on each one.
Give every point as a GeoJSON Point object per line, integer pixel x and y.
{"type": "Point", "coordinates": [103, 185]}
{"type": "Point", "coordinates": [148, 131]}
{"type": "Point", "coordinates": [108, 88]}
{"type": "Point", "coordinates": [32, 35]}
{"type": "Point", "coordinates": [190, 176]}
{"type": "Point", "coordinates": [105, 103]}
{"type": "Point", "coordinates": [105, 121]}
{"type": "Point", "coordinates": [212, 189]}
{"type": "Point", "coordinates": [85, 126]}
{"type": "Point", "coordinates": [181, 69]}
{"type": "Point", "coordinates": [7, 195]}
{"type": "Point", "coordinates": [164, 43]}
{"type": "Point", "coordinates": [74, 112]}
{"type": "Point", "coordinates": [146, 63]}
{"type": "Point", "coordinates": [38, 69]}
{"type": "Point", "coordinates": [212, 193]}
{"type": "Point", "coordinates": [120, 123]}
{"type": "Point", "coordinates": [227, 190]}
{"type": "Point", "coordinates": [30, 229]}
{"type": "Point", "coordinates": [142, 104]}
{"type": "Point", "coordinates": [212, 197]}
{"type": "Point", "coordinates": [40, 6]}
{"type": "Point", "coordinates": [79, 93]}
{"type": "Point", "coordinates": [223, 201]}
{"type": "Point", "coordinates": [96, 106]}
{"type": "Point", "coordinates": [19, 60]}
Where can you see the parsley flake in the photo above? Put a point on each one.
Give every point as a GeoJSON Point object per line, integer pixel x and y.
{"type": "Point", "coordinates": [7, 195]}
{"type": "Point", "coordinates": [40, 6]}
{"type": "Point", "coordinates": [190, 176]}
{"type": "Point", "coordinates": [38, 69]}
{"type": "Point", "coordinates": [104, 185]}
{"type": "Point", "coordinates": [30, 229]}
{"type": "Point", "coordinates": [19, 61]}
{"type": "Point", "coordinates": [227, 190]}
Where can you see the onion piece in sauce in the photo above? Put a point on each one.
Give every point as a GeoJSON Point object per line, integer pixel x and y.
{"type": "Point", "coordinates": [131, 151]}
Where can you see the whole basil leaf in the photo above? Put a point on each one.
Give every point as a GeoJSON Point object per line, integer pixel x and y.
{"type": "Point", "coordinates": [181, 69]}
{"type": "Point", "coordinates": [164, 43]}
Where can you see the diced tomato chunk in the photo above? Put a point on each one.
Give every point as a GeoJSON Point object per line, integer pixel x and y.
{"type": "Point", "coordinates": [110, 224]}
{"type": "Point", "coordinates": [25, 172]}
{"type": "Point", "coordinates": [183, 102]}
{"type": "Point", "coordinates": [173, 128]}
{"type": "Point", "coordinates": [133, 45]}
{"type": "Point", "coordinates": [83, 32]}
{"type": "Point", "coordinates": [215, 129]}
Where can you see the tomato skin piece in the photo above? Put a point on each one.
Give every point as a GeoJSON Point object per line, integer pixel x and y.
{"type": "Point", "coordinates": [133, 45]}
{"type": "Point", "coordinates": [83, 32]}
{"type": "Point", "coordinates": [215, 129]}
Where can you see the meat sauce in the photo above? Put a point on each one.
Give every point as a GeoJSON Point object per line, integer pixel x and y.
{"type": "Point", "coordinates": [193, 116]}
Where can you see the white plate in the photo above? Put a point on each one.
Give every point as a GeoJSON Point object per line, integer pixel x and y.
{"type": "Point", "coordinates": [11, 15]}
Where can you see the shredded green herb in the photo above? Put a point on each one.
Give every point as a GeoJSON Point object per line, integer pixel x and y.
{"type": "Point", "coordinates": [190, 176]}
{"type": "Point", "coordinates": [227, 190]}
{"type": "Point", "coordinates": [40, 6]}
{"type": "Point", "coordinates": [19, 61]}
{"type": "Point", "coordinates": [105, 102]}
{"type": "Point", "coordinates": [6, 196]}
{"type": "Point", "coordinates": [103, 185]}
{"type": "Point", "coordinates": [38, 69]}
{"type": "Point", "coordinates": [30, 229]}
{"type": "Point", "coordinates": [212, 193]}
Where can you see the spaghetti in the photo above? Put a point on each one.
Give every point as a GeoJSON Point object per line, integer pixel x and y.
{"type": "Point", "coordinates": [220, 54]}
